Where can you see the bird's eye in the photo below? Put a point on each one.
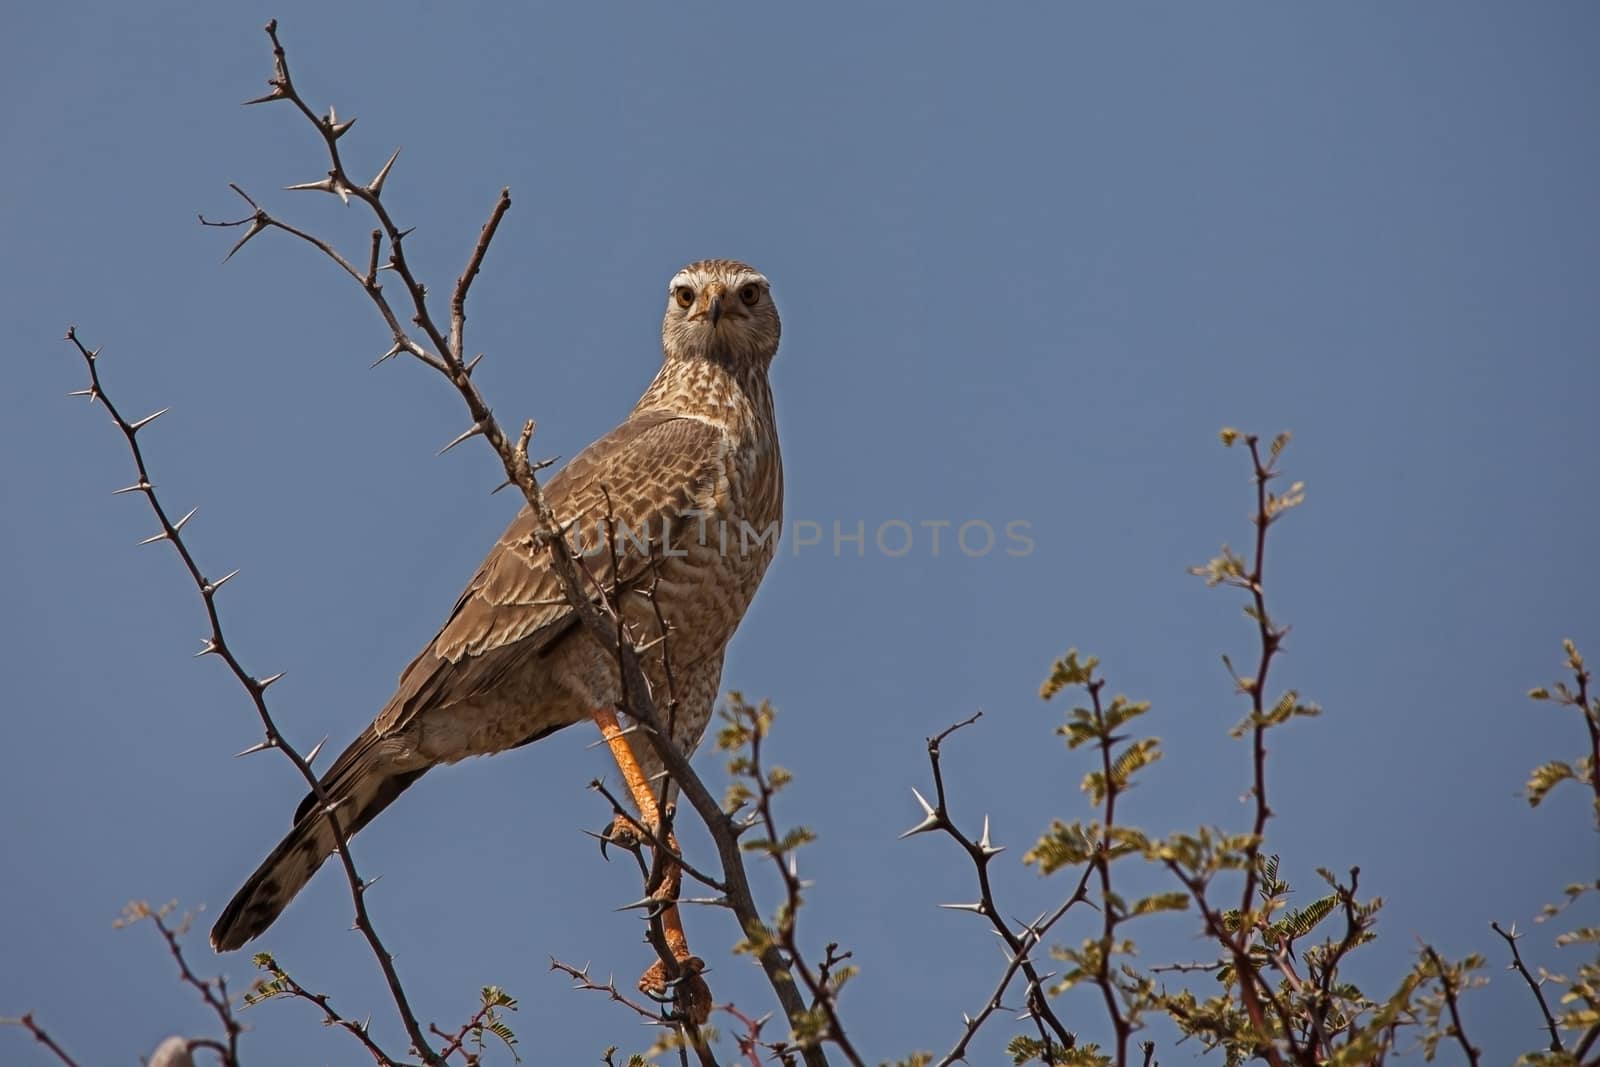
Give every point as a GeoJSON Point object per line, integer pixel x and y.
{"type": "Point", "coordinates": [684, 295]}
{"type": "Point", "coordinates": [750, 294]}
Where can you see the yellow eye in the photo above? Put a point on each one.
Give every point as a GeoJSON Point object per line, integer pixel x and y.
{"type": "Point", "coordinates": [750, 294]}
{"type": "Point", "coordinates": [684, 295]}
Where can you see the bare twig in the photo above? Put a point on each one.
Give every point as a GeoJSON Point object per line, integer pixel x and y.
{"type": "Point", "coordinates": [651, 838]}
{"type": "Point", "coordinates": [749, 1042]}
{"type": "Point", "coordinates": [214, 992]}
{"type": "Point", "coordinates": [936, 816]}
{"type": "Point", "coordinates": [39, 1035]}
{"type": "Point", "coordinates": [217, 644]}
{"type": "Point", "coordinates": [581, 980]}
{"type": "Point", "coordinates": [1031, 937]}
{"type": "Point", "coordinates": [1511, 938]}
{"type": "Point", "coordinates": [284, 984]}
{"type": "Point", "coordinates": [786, 862]}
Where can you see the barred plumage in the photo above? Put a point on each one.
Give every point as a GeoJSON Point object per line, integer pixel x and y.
{"type": "Point", "coordinates": [693, 467]}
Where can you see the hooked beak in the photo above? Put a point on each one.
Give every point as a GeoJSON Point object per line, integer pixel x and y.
{"type": "Point", "coordinates": [713, 298]}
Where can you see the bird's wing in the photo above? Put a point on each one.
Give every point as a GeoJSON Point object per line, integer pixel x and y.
{"type": "Point", "coordinates": [658, 469]}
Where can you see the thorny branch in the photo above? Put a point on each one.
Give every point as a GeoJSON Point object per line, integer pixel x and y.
{"type": "Point", "coordinates": [283, 984]}
{"type": "Point", "coordinates": [936, 816]}
{"type": "Point", "coordinates": [26, 1021]}
{"type": "Point", "coordinates": [446, 354]}
{"type": "Point", "coordinates": [823, 991]}
{"type": "Point", "coordinates": [217, 644]}
{"type": "Point", "coordinates": [651, 838]}
{"type": "Point", "coordinates": [749, 1042]}
{"type": "Point", "coordinates": [676, 975]}
{"type": "Point", "coordinates": [581, 980]}
{"type": "Point", "coordinates": [1511, 937]}
{"type": "Point", "coordinates": [214, 992]}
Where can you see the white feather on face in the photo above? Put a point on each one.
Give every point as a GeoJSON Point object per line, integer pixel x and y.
{"type": "Point", "coordinates": [721, 309]}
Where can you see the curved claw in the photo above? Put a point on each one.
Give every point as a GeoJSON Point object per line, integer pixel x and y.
{"type": "Point", "coordinates": [620, 833]}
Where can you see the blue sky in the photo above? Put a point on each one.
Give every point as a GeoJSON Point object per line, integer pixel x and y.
{"type": "Point", "coordinates": [1029, 262]}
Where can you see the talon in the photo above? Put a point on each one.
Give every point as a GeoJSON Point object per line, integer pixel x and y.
{"type": "Point", "coordinates": [688, 990]}
{"type": "Point", "coordinates": [622, 834]}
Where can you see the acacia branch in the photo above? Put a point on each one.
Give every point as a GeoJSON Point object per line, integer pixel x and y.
{"type": "Point", "coordinates": [40, 1035]}
{"type": "Point", "coordinates": [447, 357]}
{"type": "Point", "coordinates": [285, 984]}
{"type": "Point", "coordinates": [217, 644]}
{"type": "Point", "coordinates": [1270, 639]}
{"type": "Point", "coordinates": [1511, 938]}
{"type": "Point", "coordinates": [936, 816]}
{"type": "Point", "coordinates": [214, 992]}
{"type": "Point", "coordinates": [785, 860]}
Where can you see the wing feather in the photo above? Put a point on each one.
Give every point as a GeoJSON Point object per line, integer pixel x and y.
{"type": "Point", "coordinates": [657, 468]}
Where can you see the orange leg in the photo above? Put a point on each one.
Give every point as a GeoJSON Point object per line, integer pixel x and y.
{"type": "Point", "coordinates": [699, 1000]}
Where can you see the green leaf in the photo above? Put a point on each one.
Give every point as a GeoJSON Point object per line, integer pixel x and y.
{"type": "Point", "coordinates": [1138, 755]}
{"type": "Point", "coordinates": [1546, 778]}
{"type": "Point", "coordinates": [1068, 671]}
{"type": "Point", "coordinates": [1301, 921]}
{"type": "Point", "coordinates": [1582, 935]}
{"type": "Point", "coordinates": [1063, 845]}
{"type": "Point", "coordinates": [1173, 901]}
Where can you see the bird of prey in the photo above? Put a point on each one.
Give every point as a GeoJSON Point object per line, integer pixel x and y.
{"type": "Point", "coordinates": [692, 484]}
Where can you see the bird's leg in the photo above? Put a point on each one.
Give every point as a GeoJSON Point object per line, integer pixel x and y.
{"type": "Point", "coordinates": [698, 996]}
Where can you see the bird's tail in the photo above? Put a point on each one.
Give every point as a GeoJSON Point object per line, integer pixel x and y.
{"type": "Point", "coordinates": [360, 787]}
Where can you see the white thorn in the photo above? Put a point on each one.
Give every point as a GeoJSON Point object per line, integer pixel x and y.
{"type": "Point", "coordinates": [153, 538]}
{"type": "Point", "coordinates": [375, 186]}
{"type": "Point", "coordinates": [311, 757]}
{"type": "Point", "coordinates": [326, 185]}
{"type": "Point", "coordinates": [214, 586]}
{"type": "Point", "coordinates": [471, 431]}
{"type": "Point", "coordinates": [395, 351]}
{"type": "Point", "coordinates": [930, 819]}
{"type": "Point", "coordinates": [624, 732]}
{"type": "Point", "coordinates": [260, 746]}
{"type": "Point", "coordinates": [207, 647]}
{"type": "Point", "coordinates": [179, 524]}
{"type": "Point", "coordinates": [135, 427]}
{"type": "Point", "coordinates": [983, 841]}
{"type": "Point", "coordinates": [137, 487]}
{"type": "Point", "coordinates": [976, 909]}
{"type": "Point", "coordinates": [262, 683]}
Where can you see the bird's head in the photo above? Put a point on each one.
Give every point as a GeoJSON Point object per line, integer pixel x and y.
{"type": "Point", "coordinates": [721, 309]}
